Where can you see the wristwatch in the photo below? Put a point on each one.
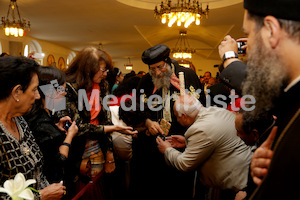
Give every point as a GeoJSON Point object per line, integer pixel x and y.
{"type": "Point", "coordinates": [229, 54]}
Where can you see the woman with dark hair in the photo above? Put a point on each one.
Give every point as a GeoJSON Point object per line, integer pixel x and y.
{"type": "Point", "coordinates": [53, 139]}
{"type": "Point", "coordinates": [92, 148]}
{"type": "Point", "coordinates": [19, 153]}
{"type": "Point", "coordinates": [114, 78]}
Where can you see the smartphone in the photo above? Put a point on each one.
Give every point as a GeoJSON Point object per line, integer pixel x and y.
{"type": "Point", "coordinates": [67, 125]}
{"type": "Point", "coordinates": [240, 50]}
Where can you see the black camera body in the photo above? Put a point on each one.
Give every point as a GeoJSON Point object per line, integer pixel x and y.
{"type": "Point", "coordinates": [240, 50]}
{"type": "Point", "coordinates": [67, 125]}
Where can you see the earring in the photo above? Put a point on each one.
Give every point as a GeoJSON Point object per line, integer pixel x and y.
{"type": "Point", "coordinates": [18, 100]}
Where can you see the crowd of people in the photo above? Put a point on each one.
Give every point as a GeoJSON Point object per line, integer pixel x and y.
{"type": "Point", "coordinates": [92, 132]}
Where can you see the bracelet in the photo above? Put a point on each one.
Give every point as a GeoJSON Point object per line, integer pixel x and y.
{"type": "Point", "coordinates": [66, 144]}
{"type": "Point", "coordinates": [110, 161]}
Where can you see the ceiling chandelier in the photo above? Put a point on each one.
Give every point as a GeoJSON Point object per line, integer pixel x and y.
{"type": "Point", "coordinates": [182, 48]}
{"type": "Point", "coordinates": [128, 66]}
{"type": "Point", "coordinates": [182, 12]}
{"type": "Point", "coordinates": [11, 25]}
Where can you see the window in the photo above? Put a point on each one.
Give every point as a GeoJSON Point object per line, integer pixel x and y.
{"type": "Point", "coordinates": [34, 46]}
{"type": "Point", "coordinates": [70, 58]}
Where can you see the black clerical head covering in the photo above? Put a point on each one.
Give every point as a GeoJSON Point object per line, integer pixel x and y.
{"type": "Point", "coordinates": [283, 9]}
{"type": "Point", "coordinates": [156, 54]}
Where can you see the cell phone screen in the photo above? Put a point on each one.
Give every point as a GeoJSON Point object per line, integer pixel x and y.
{"type": "Point", "coordinates": [67, 125]}
{"type": "Point", "coordinates": [240, 50]}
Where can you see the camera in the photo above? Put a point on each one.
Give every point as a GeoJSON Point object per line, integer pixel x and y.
{"type": "Point", "coordinates": [67, 125]}
{"type": "Point", "coordinates": [240, 50]}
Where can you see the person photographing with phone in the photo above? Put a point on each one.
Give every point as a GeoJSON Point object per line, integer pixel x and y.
{"type": "Point", "coordinates": [272, 76]}
{"type": "Point", "coordinates": [54, 139]}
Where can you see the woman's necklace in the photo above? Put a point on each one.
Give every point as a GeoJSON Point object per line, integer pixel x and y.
{"type": "Point", "coordinates": [12, 128]}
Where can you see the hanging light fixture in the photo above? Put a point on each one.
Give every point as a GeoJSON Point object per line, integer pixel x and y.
{"type": "Point", "coordinates": [128, 66]}
{"type": "Point", "coordinates": [100, 46]}
{"type": "Point", "coordinates": [11, 25]}
{"type": "Point", "coordinates": [182, 48]}
{"type": "Point", "coordinates": [182, 12]}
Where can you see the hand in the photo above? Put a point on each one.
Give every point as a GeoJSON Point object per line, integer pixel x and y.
{"type": "Point", "coordinates": [130, 132]}
{"type": "Point", "coordinates": [241, 195]}
{"type": "Point", "coordinates": [228, 44]}
{"type": "Point", "coordinates": [162, 145]}
{"type": "Point", "coordinates": [126, 130]}
{"type": "Point", "coordinates": [262, 158]}
{"type": "Point", "coordinates": [73, 130]}
{"type": "Point", "coordinates": [109, 167]}
{"type": "Point", "coordinates": [62, 122]}
{"type": "Point", "coordinates": [153, 127]}
{"type": "Point", "coordinates": [122, 129]}
{"type": "Point", "coordinates": [177, 141]}
{"type": "Point", "coordinates": [53, 191]}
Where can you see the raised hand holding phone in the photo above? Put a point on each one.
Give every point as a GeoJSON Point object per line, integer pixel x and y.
{"type": "Point", "coordinates": [67, 125]}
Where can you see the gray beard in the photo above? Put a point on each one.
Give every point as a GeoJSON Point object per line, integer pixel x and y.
{"type": "Point", "coordinates": [164, 81]}
{"type": "Point", "coordinates": [265, 79]}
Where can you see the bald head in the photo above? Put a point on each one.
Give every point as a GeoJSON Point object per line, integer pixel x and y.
{"type": "Point", "coordinates": [187, 105]}
{"type": "Point", "coordinates": [186, 108]}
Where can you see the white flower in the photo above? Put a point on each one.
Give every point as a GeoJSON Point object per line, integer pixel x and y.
{"type": "Point", "coordinates": [17, 188]}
